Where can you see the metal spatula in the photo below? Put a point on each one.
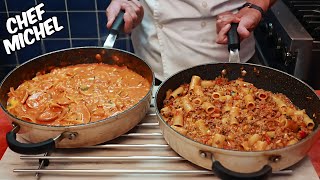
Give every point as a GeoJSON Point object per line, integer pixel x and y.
{"type": "Point", "coordinates": [234, 44]}
{"type": "Point", "coordinates": [114, 30]}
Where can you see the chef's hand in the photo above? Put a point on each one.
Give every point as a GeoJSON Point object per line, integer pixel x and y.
{"type": "Point", "coordinates": [133, 13]}
{"type": "Point", "coordinates": [247, 18]}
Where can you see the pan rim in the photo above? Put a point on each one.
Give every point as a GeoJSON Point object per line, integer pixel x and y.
{"type": "Point", "coordinates": [58, 128]}
{"type": "Point", "coordinates": [228, 151]}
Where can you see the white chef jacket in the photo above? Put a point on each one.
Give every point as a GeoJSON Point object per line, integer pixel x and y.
{"type": "Point", "coordinates": [178, 34]}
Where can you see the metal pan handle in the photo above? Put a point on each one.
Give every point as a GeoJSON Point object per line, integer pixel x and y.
{"type": "Point", "coordinates": [226, 174]}
{"type": "Point", "coordinates": [114, 30]}
{"type": "Point", "coordinates": [233, 37]}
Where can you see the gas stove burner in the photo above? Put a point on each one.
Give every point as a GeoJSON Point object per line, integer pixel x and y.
{"type": "Point", "coordinates": [308, 14]}
{"type": "Point", "coordinates": [316, 33]}
{"type": "Point", "coordinates": [317, 11]}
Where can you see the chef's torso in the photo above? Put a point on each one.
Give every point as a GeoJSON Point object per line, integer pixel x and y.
{"type": "Point", "coordinates": [178, 34]}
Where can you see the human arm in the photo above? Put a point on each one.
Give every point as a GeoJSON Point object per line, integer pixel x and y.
{"type": "Point", "coordinates": [248, 19]}
{"type": "Point", "coordinates": [133, 13]}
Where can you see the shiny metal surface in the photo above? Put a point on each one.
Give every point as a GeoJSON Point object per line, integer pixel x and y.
{"type": "Point", "coordinates": [126, 171]}
{"type": "Point", "coordinates": [290, 23]}
{"type": "Point", "coordinates": [234, 56]}
{"type": "Point", "coordinates": [296, 39]}
{"type": "Point", "coordinates": [111, 171]}
{"type": "Point", "coordinates": [125, 146]}
{"type": "Point", "coordinates": [111, 39]}
{"type": "Point", "coordinates": [104, 158]}
{"type": "Point", "coordinates": [60, 163]}
{"type": "Point", "coordinates": [287, 39]}
{"type": "Point", "coordinates": [241, 161]}
{"type": "Point", "coordinates": [142, 134]}
{"type": "Point", "coordinates": [86, 134]}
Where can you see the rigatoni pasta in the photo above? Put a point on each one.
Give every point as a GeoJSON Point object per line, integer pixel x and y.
{"type": "Point", "coordinates": [249, 101]}
{"type": "Point", "coordinates": [178, 118]}
{"type": "Point", "coordinates": [176, 92]}
{"type": "Point", "coordinates": [195, 81]}
{"type": "Point", "coordinates": [235, 115]}
{"type": "Point", "coordinates": [187, 106]}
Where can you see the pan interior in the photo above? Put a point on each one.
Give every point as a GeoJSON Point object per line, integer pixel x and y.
{"type": "Point", "coordinates": [72, 56]}
{"type": "Point", "coordinates": [302, 95]}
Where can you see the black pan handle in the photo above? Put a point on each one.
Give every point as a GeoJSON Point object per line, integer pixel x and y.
{"type": "Point", "coordinates": [226, 174]}
{"type": "Point", "coordinates": [233, 37]}
{"type": "Point", "coordinates": [117, 23]}
{"type": "Point", "coordinates": [23, 148]}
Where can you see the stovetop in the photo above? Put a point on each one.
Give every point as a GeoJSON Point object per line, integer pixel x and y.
{"type": "Point", "coordinates": [308, 13]}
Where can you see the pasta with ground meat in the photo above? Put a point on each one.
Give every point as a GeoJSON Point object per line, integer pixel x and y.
{"type": "Point", "coordinates": [235, 115]}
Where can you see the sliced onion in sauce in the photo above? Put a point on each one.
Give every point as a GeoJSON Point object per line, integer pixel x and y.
{"type": "Point", "coordinates": [37, 99]}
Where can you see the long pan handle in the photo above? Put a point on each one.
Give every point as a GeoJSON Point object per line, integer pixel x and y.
{"type": "Point", "coordinates": [114, 30]}
{"type": "Point", "coordinates": [118, 23]}
{"type": "Point", "coordinates": [233, 37]}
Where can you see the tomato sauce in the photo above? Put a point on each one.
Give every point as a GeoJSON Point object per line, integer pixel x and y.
{"type": "Point", "coordinates": [77, 94]}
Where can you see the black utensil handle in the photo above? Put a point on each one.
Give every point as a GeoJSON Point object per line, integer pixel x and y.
{"type": "Point", "coordinates": [233, 37]}
{"type": "Point", "coordinates": [118, 23]}
{"type": "Point", "coordinates": [23, 148]}
{"type": "Point", "coordinates": [226, 174]}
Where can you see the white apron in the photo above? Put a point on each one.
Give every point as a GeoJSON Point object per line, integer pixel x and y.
{"type": "Point", "coordinates": [178, 34]}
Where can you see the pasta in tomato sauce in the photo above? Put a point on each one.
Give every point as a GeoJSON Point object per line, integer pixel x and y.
{"type": "Point", "coordinates": [234, 115]}
{"type": "Point", "coordinates": [77, 94]}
